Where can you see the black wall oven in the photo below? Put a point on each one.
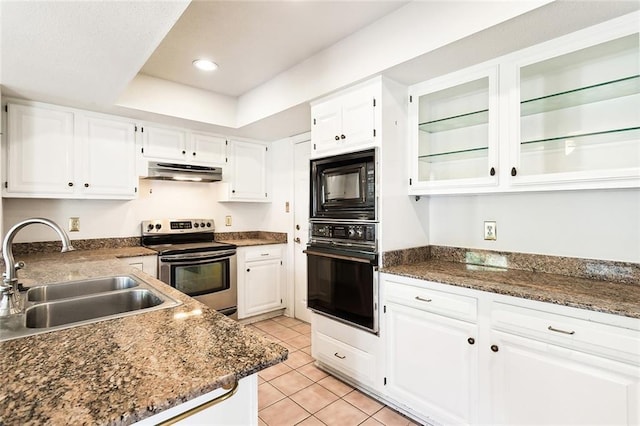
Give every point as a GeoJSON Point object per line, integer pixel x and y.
{"type": "Point", "coordinates": [343, 187]}
{"type": "Point", "coordinates": [342, 278]}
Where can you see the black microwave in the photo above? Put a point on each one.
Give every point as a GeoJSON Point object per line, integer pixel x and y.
{"type": "Point", "coordinates": [344, 187]}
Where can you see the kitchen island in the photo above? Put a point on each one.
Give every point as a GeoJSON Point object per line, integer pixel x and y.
{"type": "Point", "coordinates": [123, 370]}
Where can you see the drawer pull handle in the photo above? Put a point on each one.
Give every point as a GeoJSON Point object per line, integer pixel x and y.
{"type": "Point", "coordinates": [561, 331]}
{"type": "Point", "coordinates": [339, 356]}
{"type": "Point", "coordinates": [422, 300]}
{"type": "Point", "coordinates": [264, 254]}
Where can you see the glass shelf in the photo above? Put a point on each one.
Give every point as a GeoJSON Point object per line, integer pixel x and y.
{"type": "Point", "coordinates": [463, 154]}
{"type": "Point", "coordinates": [584, 95]}
{"type": "Point", "coordinates": [560, 142]}
{"type": "Point", "coordinates": [456, 122]}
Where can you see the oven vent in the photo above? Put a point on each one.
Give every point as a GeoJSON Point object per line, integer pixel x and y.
{"type": "Point", "coordinates": [183, 172]}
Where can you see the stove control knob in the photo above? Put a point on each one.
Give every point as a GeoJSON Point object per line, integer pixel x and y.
{"type": "Point", "coordinates": [359, 232]}
{"type": "Point", "coordinates": [196, 224]}
{"type": "Point", "coordinates": [202, 224]}
{"type": "Point", "coordinates": [352, 232]}
{"type": "Point", "coordinates": [150, 227]}
{"type": "Point", "coordinates": [158, 226]}
{"type": "Point", "coordinates": [208, 224]}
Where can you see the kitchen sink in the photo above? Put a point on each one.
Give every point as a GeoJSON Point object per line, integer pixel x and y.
{"type": "Point", "coordinates": [70, 304]}
{"type": "Point", "coordinates": [46, 293]}
{"type": "Point", "coordinates": [79, 309]}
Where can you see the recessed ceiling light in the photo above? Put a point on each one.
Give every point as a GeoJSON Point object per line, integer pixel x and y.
{"type": "Point", "coordinates": [205, 65]}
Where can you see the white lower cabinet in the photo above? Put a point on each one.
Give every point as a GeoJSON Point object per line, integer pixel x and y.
{"type": "Point", "coordinates": [462, 356]}
{"type": "Point", "coordinates": [241, 409]}
{"type": "Point", "coordinates": [261, 279]}
{"type": "Point", "coordinates": [147, 264]}
{"type": "Point", "coordinates": [348, 352]}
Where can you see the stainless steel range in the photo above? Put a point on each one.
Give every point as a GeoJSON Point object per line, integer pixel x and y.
{"type": "Point", "coordinates": [192, 262]}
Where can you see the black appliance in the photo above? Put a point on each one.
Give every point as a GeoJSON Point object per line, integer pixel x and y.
{"type": "Point", "coordinates": [344, 187]}
{"type": "Point", "coordinates": [342, 282]}
{"type": "Point", "coordinates": [192, 262]}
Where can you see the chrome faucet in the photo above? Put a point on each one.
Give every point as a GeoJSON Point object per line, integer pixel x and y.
{"type": "Point", "coordinates": [10, 302]}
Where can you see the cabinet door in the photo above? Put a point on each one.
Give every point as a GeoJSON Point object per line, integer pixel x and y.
{"type": "Point", "coordinates": [358, 119]}
{"type": "Point", "coordinates": [248, 171]}
{"type": "Point", "coordinates": [263, 287]}
{"type": "Point", "coordinates": [454, 131]}
{"type": "Point", "coordinates": [107, 157]}
{"type": "Point", "coordinates": [40, 150]}
{"type": "Point", "coordinates": [578, 114]}
{"type": "Point", "coordinates": [207, 149]}
{"type": "Point", "coordinates": [432, 364]}
{"type": "Point", "coordinates": [326, 127]}
{"type": "Point", "coordinates": [164, 143]}
{"type": "Point", "coordinates": [539, 383]}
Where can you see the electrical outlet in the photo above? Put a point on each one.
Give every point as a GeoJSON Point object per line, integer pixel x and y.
{"type": "Point", "coordinates": [227, 221]}
{"type": "Point", "coordinates": [490, 230]}
{"type": "Point", "coordinates": [286, 207]}
{"type": "Point", "coordinates": [74, 224]}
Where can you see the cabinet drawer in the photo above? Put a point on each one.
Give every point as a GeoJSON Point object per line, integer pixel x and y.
{"type": "Point", "coordinates": [357, 364]}
{"type": "Point", "coordinates": [262, 253]}
{"type": "Point", "coordinates": [426, 299]}
{"type": "Point", "coordinates": [601, 339]}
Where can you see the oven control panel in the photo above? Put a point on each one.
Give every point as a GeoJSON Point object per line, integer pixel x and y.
{"type": "Point", "coordinates": [352, 232]}
{"type": "Point", "coordinates": [176, 226]}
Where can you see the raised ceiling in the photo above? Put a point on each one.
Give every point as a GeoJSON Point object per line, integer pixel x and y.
{"type": "Point", "coordinates": [253, 41]}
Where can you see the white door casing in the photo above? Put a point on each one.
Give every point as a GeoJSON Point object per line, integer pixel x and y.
{"type": "Point", "coordinates": [301, 228]}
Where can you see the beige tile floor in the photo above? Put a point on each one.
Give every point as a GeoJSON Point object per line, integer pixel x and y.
{"type": "Point", "coordinates": [296, 392]}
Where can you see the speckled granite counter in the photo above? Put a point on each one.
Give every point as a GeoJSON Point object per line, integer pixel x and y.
{"type": "Point", "coordinates": [603, 296]}
{"type": "Point", "coordinates": [122, 370]}
{"type": "Point", "coordinates": [252, 238]}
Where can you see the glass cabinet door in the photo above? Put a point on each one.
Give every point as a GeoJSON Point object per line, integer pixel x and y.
{"type": "Point", "coordinates": [580, 114]}
{"type": "Point", "coordinates": [455, 131]}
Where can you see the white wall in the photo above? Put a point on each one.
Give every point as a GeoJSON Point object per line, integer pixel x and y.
{"type": "Point", "coordinates": [112, 218]}
{"type": "Point", "coordinates": [602, 224]}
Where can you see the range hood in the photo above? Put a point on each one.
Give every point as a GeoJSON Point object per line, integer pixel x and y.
{"type": "Point", "coordinates": [183, 172]}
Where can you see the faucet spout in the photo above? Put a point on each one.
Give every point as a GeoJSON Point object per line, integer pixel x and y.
{"type": "Point", "coordinates": [11, 272]}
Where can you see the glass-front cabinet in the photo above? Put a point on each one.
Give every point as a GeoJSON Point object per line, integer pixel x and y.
{"type": "Point", "coordinates": [561, 115]}
{"type": "Point", "coordinates": [579, 115]}
{"type": "Point", "coordinates": [455, 129]}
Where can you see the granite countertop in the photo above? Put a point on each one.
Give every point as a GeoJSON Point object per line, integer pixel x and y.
{"type": "Point", "coordinates": [247, 242]}
{"type": "Point", "coordinates": [251, 238]}
{"type": "Point", "coordinates": [122, 370]}
{"type": "Point", "coordinates": [602, 296]}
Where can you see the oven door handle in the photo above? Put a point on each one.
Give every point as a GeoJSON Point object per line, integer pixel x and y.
{"type": "Point", "coordinates": [195, 258]}
{"type": "Point", "coordinates": [338, 256]}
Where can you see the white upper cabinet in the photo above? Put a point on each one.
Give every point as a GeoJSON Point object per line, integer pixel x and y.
{"type": "Point", "coordinates": [345, 122]}
{"type": "Point", "coordinates": [182, 146]}
{"type": "Point", "coordinates": [246, 175]}
{"type": "Point", "coordinates": [55, 152]}
{"type": "Point", "coordinates": [578, 112]}
{"type": "Point", "coordinates": [561, 115]}
{"type": "Point", "coordinates": [454, 126]}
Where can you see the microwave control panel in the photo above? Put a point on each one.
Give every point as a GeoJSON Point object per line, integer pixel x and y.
{"type": "Point", "coordinates": [360, 232]}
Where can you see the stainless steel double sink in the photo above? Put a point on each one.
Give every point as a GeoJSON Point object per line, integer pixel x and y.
{"type": "Point", "coordinates": [69, 304]}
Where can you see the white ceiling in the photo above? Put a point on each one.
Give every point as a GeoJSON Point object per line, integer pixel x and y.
{"type": "Point", "coordinates": [253, 41]}
{"type": "Point", "coordinates": [88, 53]}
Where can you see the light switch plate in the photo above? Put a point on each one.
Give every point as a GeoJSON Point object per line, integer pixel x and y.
{"type": "Point", "coordinates": [490, 231]}
{"type": "Point", "coordinates": [227, 221]}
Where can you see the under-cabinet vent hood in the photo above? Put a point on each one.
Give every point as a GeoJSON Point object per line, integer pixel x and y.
{"type": "Point", "coordinates": [183, 172]}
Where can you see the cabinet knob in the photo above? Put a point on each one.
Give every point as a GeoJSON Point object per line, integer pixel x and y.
{"type": "Point", "coordinates": [248, 270]}
{"type": "Point", "coordinates": [492, 172]}
{"type": "Point", "coordinates": [233, 191]}
{"type": "Point", "coordinates": [297, 240]}
{"type": "Point", "coordinates": [471, 340]}
{"type": "Point", "coordinates": [194, 154]}
{"type": "Point", "coordinates": [494, 348]}
{"type": "Point", "coordinates": [513, 171]}
{"type": "Point", "coordinates": [70, 184]}
{"type": "Point", "coordinates": [86, 185]}
{"type": "Point", "coordinates": [297, 227]}
{"type": "Point", "coordinates": [342, 136]}
{"type": "Point", "coordinates": [337, 137]}
{"type": "Point", "coordinates": [184, 152]}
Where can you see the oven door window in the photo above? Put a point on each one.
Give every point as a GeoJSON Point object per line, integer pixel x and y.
{"type": "Point", "coordinates": [341, 288]}
{"type": "Point", "coordinates": [196, 280]}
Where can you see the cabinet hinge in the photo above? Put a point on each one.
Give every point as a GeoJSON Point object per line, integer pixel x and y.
{"type": "Point", "coordinates": [141, 129]}
{"type": "Point", "coordinates": [374, 133]}
{"type": "Point", "coordinates": [6, 184]}
{"type": "Point", "coordinates": [281, 262]}
{"type": "Point", "coordinates": [314, 146]}
{"type": "Point", "coordinates": [135, 189]}
{"type": "Point", "coordinates": [385, 381]}
{"type": "Point", "coordinates": [135, 128]}
{"type": "Point", "coordinates": [6, 108]}
{"type": "Point", "coordinates": [384, 309]}
{"type": "Point", "coordinates": [266, 148]}
{"type": "Point", "coordinates": [410, 99]}
{"type": "Point", "coordinates": [142, 150]}
{"type": "Point", "coordinates": [226, 142]}
{"type": "Point", "coordinates": [374, 102]}
{"type": "Point", "coordinates": [410, 182]}
{"type": "Point", "coordinates": [226, 160]}
{"type": "Point", "coordinates": [314, 121]}
{"type": "Point", "coordinates": [265, 195]}
{"type": "Point", "coordinates": [280, 301]}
